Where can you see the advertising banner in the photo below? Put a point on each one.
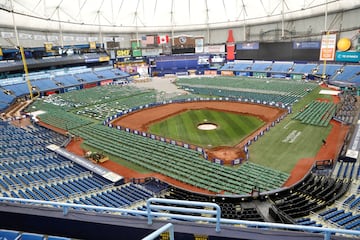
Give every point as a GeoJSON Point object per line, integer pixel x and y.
{"type": "Point", "coordinates": [347, 57]}
{"type": "Point", "coordinates": [307, 45]}
{"type": "Point", "coordinates": [247, 46]}
{"type": "Point", "coordinates": [199, 45]}
{"type": "Point", "coordinates": [214, 48]}
{"type": "Point", "coordinates": [328, 46]}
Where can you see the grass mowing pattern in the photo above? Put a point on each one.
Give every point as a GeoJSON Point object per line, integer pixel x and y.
{"type": "Point", "coordinates": [232, 128]}
{"type": "Point", "coordinates": [271, 150]}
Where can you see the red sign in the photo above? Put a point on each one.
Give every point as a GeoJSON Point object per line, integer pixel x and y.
{"type": "Point", "coordinates": [106, 82]}
{"type": "Point", "coordinates": [90, 85]}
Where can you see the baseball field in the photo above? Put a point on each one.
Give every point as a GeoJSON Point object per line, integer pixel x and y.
{"type": "Point", "coordinates": [228, 129]}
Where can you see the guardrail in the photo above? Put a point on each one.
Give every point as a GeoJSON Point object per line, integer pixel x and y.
{"type": "Point", "coordinates": [217, 220]}
{"type": "Point", "coordinates": [150, 213]}
{"type": "Point", "coordinates": [167, 227]}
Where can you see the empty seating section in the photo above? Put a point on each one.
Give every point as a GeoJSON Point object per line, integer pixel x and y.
{"type": "Point", "coordinates": [59, 117]}
{"type": "Point", "coordinates": [352, 202]}
{"type": "Point", "coordinates": [345, 170]}
{"type": "Point", "coordinates": [97, 103]}
{"type": "Point", "coordinates": [307, 222]}
{"type": "Point", "coordinates": [154, 185]}
{"type": "Point", "coordinates": [57, 79]}
{"type": "Point", "coordinates": [317, 113]}
{"type": "Point", "coordinates": [179, 163]}
{"type": "Point", "coordinates": [174, 64]}
{"type": "Point", "coordinates": [67, 80]}
{"type": "Point", "coordinates": [330, 69]}
{"type": "Point", "coordinates": [5, 99]}
{"type": "Point", "coordinates": [335, 72]}
{"type": "Point", "coordinates": [87, 77]}
{"type": "Point", "coordinates": [281, 67]}
{"type": "Point", "coordinates": [341, 218]}
{"type": "Point", "coordinates": [3, 106]}
{"type": "Point", "coordinates": [116, 197]}
{"type": "Point", "coordinates": [260, 66]}
{"type": "Point", "coordinates": [238, 66]}
{"type": "Point", "coordinates": [105, 74]}
{"type": "Point", "coordinates": [304, 68]}
{"type": "Point", "coordinates": [314, 194]}
{"type": "Point", "coordinates": [348, 73]}
{"type": "Point", "coordinates": [346, 108]}
{"type": "Point", "coordinates": [270, 90]}
{"type": "Point", "coordinates": [18, 90]}
{"type": "Point", "coordinates": [29, 170]}
{"type": "Point", "coordinates": [44, 84]}
{"type": "Point", "coordinates": [246, 96]}
{"type": "Point", "coordinates": [63, 120]}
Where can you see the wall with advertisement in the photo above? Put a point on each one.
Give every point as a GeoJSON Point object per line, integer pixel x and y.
{"type": "Point", "coordinates": [133, 67]}
{"type": "Point", "coordinates": [106, 82]}
{"type": "Point", "coordinates": [216, 49]}
{"type": "Point", "coordinates": [347, 57]}
{"type": "Point", "coordinates": [70, 89]}
{"type": "Point", "coordinates": [90, 85]}
{"type": "Point", "coordinates": [148, 52]}
{"type": "Point", "coordinates": [123, 53]}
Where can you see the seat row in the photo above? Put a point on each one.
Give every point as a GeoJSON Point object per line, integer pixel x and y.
{"type": "Point", "coordinates": [190, 168]}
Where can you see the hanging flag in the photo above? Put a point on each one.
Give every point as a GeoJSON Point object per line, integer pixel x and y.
{"type": "Point", "coordinates": [147, 40]}
{"type": "Point", "coordinates": [162, 39]}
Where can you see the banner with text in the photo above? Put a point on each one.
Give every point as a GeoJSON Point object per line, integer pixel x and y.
{"type": "Point", "coordinates": [328, 46]}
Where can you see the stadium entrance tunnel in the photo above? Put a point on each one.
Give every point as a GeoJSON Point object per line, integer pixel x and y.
{"type": "Point", "coordinates": [206, 126]}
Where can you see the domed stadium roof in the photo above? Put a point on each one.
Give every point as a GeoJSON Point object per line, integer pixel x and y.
{"type": "Point", "coordinates": [157, 15]}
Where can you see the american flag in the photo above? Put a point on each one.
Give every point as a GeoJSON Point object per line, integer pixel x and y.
{"type": "Point", "coordinates": [148, 40]}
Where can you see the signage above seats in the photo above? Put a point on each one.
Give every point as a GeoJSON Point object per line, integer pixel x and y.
{"type": "Point", "coordinates": [328, 46]}
{"type": "Point", "coordinates": [184, 42]}
{"type": "Point", "coordinates": [123, 53]}
{"type": "Point", "coordinates": [247, 46]}
{"type": "Point", "coordinates": [307, 45]}
{"type": "Point", "coordinates": [347, 57]}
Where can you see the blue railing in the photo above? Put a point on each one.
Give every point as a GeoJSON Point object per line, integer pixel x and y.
{"type": "Point", "coordinates": [150, 214]}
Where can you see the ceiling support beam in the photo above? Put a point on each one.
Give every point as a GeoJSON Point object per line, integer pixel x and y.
{"type": "Point", "coordinates": [207, 22]}
{"type": "Point", "coordinates": [14, 23]}
{"type": "Point", "coordinates": [326, 16]}
{"type": "Point", "coordinates": [282, 19]}
{"type": "Point", "coordinates": [172, 23]}
{"type": "Point", "coordinates": [60, 28]}
{"type": "Point", "coordinates": [100, 30]}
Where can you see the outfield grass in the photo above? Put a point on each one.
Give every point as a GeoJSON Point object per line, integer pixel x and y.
{"type": "Point", "coordinates": [232, 128]}
{"type": "Point", "coordinates": [275, 149]}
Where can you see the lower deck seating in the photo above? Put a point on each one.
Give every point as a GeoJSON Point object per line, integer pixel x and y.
{"type": "Point", "coordinates": [313, 195]}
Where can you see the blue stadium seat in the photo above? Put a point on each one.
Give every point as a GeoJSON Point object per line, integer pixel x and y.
{"type": "Point", "coordinates": [31, 236]}
{"type": "Point", "coordinates": [57, 238]}
{"type": "Point", "coordinates": [9, 234]}
{"type": "Point", "coordinates": [349, 199]}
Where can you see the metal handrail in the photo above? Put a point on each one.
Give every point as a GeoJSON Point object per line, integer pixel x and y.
{"type": "Point", "coordinates": [216, 212]}
{"type": "Point", "coordinates": [167, 227]}
{"type": "Point", "coordinates": [150, 214]}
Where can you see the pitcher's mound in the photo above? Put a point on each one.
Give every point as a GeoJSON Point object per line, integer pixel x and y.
{"type": "Point", "coordinates": [227, 154]}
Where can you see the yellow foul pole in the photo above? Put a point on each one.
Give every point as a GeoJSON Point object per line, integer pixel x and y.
{"type": "Point", "coordinates": [324, 69]}
{"type": "Point", "coordinates": [26, 72]}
